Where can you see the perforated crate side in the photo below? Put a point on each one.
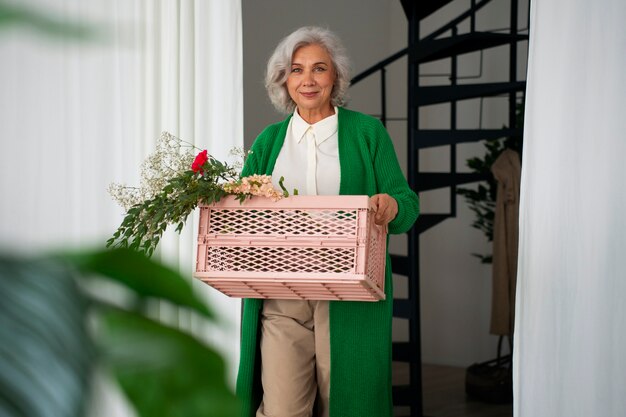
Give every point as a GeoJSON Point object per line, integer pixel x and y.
{"type": "Point", "coordinates": [305, 247]}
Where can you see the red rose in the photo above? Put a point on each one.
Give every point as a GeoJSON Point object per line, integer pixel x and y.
{"type": "Point", "coordinates": [200, 160]}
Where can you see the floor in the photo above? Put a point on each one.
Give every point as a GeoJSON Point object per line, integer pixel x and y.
{"type": "Point", "coordinates": [444, 394]}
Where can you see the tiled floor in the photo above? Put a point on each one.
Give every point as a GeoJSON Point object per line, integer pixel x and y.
{"type": "Point", "coordinates": [444, 394]}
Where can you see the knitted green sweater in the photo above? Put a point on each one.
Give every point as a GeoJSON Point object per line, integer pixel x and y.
{"type": "Point", "coordinates": [360, 332]}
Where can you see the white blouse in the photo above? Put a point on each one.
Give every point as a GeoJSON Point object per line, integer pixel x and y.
{"type": "Point", "coordinates": [309, 158]}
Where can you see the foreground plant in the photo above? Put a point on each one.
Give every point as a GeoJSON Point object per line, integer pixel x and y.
{"type": "Point", "coordinates": [63, 321]}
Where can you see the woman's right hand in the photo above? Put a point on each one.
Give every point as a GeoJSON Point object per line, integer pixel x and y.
{"type": "Point", "coordinates": [385, 207]}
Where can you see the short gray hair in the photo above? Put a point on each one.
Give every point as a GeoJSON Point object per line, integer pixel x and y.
{"type": "Point", "coordinates": [280, 62]}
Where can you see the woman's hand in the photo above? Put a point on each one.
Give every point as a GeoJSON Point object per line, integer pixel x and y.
{"type": "Point", "coordinates": [385, 207]}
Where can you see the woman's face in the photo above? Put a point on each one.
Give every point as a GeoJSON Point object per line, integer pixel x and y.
{"type": "Point", "coordinates": [311, 79]}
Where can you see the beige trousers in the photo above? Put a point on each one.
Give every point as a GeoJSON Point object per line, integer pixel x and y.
{"type": "Point", "coordinates": [295, 357]}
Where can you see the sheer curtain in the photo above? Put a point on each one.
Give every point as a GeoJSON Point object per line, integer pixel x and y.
{"type": "Point", "coordinates": [570, 339]}
{"type": "Point", "coordinates": [77, 114]}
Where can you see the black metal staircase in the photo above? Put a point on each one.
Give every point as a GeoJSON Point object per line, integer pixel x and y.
{"type": "Point", "coordinates": [444, 43]}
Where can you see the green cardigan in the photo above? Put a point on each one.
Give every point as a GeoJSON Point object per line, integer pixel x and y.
{"type": "Point", "coordinates": [360, 332]}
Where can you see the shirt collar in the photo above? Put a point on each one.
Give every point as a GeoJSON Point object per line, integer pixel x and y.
{"type": "Point", "coordinates": [323, 129]}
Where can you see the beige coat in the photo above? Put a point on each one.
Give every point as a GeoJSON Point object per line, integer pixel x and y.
{"type": "Point", "coordinates": [507, 171]}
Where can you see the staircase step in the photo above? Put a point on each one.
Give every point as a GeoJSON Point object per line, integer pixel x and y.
{"type": "Point", "coordinates": [433, 50]}
{"type": "Point", "coordinates": [424, 8]}
{"type": "Point", "coordinates": [430, 138]}
{"type": "Point", "coordinates": [426, 221]}
{"type": "Point", "coordinates": [446, 93]}
{"type": "Point", "coordinates": [433, 180]}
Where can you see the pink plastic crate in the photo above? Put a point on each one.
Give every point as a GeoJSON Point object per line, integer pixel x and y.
{"type": "Point", "coordinates": [301, 247]}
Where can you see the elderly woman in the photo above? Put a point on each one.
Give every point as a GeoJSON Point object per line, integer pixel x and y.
{"type": "Point", "coordinates": [331, 357]}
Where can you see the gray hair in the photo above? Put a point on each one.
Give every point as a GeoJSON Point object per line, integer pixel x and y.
{"type": "Point", "coordinates": [280, 62]}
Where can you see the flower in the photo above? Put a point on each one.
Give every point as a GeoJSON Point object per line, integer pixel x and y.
{"type": "Point", "coordinates": [200, 160]}
{"type": "Point", "coordinates": [260, 185]}
{"type": "Point", "coordinates": [169, 191]}
{"type": "Point", "coordinates": [169, 159]}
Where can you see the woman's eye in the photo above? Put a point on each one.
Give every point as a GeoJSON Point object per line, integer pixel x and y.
{"type": "Point", "coordinates": [296, 70]}
{"type": "Point", "coordinates": [319, 69]}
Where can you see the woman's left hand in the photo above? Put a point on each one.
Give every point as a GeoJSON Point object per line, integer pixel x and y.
{"type": "Point", "coordinates": [385, 207]}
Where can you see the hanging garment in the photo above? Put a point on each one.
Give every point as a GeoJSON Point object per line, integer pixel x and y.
{"type": "Point", "coordinates": [507, 171]}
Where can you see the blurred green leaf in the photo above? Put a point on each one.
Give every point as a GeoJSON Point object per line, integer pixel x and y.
{"type": "Point", "coordinates": [47, 352]}
{"type": "Point", "coordinates": [144, 276]}
{"type": "Point", "coordinates": [45, 23]}
{"type": "Point", "coordinates": [164, 371]}
{"type": "Point", "coordinates": [45, 349]}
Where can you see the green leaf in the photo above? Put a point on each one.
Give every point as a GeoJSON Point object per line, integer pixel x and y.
{"type": "Point", "coordinates": [280, 183]}
{"type": "Point", "coordinates": [47, 352]}
{"type": "Point", "coordinates": [43, 22]}
{"type": "Point", "coordinates": [142, 275]}
{"type": "Point", "coordinates": [44, 345]}
{"type": "Point", "coordinates": [164, 371]}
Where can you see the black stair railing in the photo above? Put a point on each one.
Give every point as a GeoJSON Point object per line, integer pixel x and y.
{"type": "Point", "coordinates": [431, 48]}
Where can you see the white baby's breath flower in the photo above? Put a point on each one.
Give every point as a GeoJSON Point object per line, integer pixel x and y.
{"type": "Point", "coordinates": [171, 158]}
{"type": "Point", "coordinates": [241, 155]}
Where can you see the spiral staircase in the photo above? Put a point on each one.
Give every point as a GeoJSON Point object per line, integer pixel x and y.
{"type": "Point", "coordinates": [447, 42]}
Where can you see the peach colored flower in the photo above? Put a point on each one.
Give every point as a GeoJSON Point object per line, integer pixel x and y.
{"type": "Point", "coordinates": [254, 185]}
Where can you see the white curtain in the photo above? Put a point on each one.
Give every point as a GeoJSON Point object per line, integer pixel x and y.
{"type": "Point", "coordinates": [570, 338]}
{"type": "Point", "coordinates": [78, 114]}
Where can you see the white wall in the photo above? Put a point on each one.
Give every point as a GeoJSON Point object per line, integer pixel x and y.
{"type": "Point", "coordinates": [455, 287]}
